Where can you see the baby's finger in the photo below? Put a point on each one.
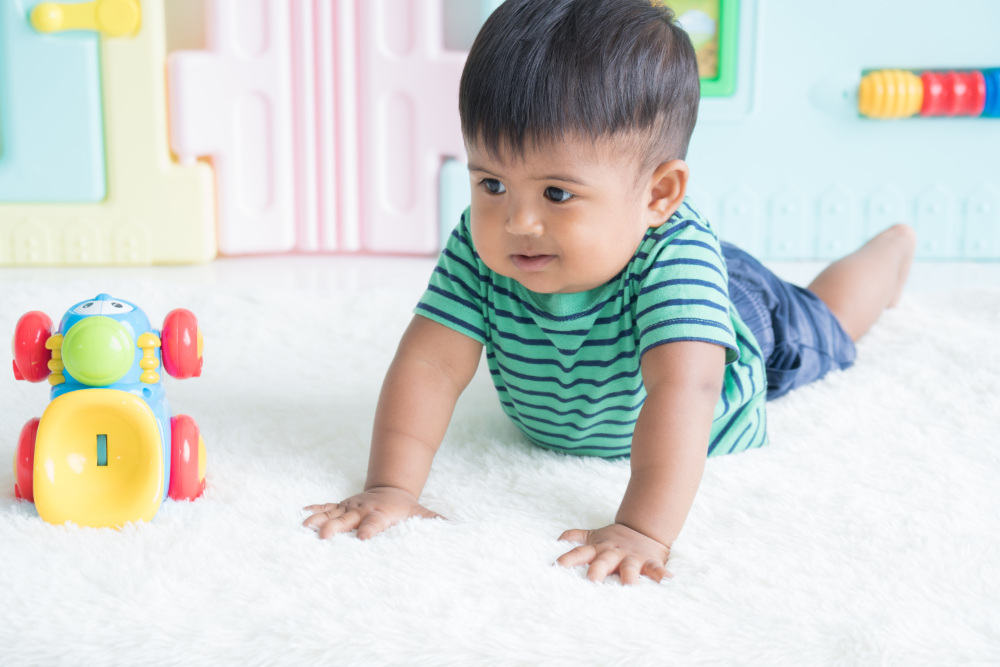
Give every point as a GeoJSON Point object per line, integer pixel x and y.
{"type": "Point", "coordinates": [341, 524]}
{"type": "Point", "coordinates": [578, 536]}
{"type": "Point", "coordinates": [629, 571]}
{"type": "Point", "coordinates": [579, 556]}
{"type": "Point", "coordinates": [605, 563]}
{"type": "Point", "coordinates": [654, 569]}
{"type": "Point", "coordinates": [374, 523]}
{"type": "Point", "coordinates": [322, 516]}
{"type": "Point", "coordinates": [321, 508]}
{"type": "Point", "coordinates": [426, 513]}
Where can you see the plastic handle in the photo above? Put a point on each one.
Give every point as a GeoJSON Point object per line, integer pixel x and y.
{"type": "Point", "coordinates": [148, 342]}
{"type": "Point", "coordinates": [111, 18]}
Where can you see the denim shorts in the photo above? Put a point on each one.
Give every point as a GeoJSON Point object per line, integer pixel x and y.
{"type": "Point", "coordinates": [799, 336]}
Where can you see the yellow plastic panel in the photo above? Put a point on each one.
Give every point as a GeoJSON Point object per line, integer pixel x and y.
{"type": "Point", "coordinates": [156, 211]}
{"type": "Point", "coordinates": [69, 485]}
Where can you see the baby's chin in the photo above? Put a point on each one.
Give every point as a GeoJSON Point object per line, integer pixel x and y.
{"type": "Point", "coordinates": [552, 278]}
{"type": "Point", "coordinates": [550, 282]}
{"type": "Point", "coordinates": [545, 281]}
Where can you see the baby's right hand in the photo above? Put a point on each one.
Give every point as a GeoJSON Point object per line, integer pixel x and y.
{"type": "Point", "coordinates": [371, 512]}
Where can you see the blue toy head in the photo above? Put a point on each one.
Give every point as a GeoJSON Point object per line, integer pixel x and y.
{"type": "Point", "coordinates": [99, 347]}
{"type": "Point", "coordinates": [130, 315]}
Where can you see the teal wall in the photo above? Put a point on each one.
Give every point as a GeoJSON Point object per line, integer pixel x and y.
{"type": "Point", "coordinates": [787, 169]}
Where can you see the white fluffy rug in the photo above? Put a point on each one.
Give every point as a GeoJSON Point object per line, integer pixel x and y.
{"type": "Point", "coordinates": [867, 533]}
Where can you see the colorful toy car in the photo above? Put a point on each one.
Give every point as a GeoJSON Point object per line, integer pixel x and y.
{"type": "Point", "coordinates": [107, 450]}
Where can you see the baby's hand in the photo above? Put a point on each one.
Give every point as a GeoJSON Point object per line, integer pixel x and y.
{"type": "Point", "coordinates": [616, 548]}
{"type": "Point", "coordinates": [371, 512]}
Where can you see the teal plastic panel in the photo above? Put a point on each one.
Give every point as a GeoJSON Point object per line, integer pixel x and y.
{"type": "Point", "coordinates": [455, 196]}
{"type": "Point", "coordinates": [462, 20]}
{"type": "Point", "coordinates": [51, 121]}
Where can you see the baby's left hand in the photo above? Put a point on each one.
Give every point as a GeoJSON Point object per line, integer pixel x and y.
{"type": "Point", "coordinates": [616, 548]}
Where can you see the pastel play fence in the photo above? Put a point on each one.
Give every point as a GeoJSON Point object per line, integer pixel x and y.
{"type": "Point", "coordinates": [332, 126]}
{"type": "Point", "coordinates": [327, 122]}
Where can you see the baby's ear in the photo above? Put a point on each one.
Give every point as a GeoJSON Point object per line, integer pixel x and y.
{"type": "Point", "coordinates": [667, 187]}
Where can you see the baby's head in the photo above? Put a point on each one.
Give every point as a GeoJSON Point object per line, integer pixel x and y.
{"type": "Point", "coordinates": [576, 116]}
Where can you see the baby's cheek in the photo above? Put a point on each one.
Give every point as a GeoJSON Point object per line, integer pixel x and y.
{"type": "Point", "coordinates": [491, 251]}
{"type": "Point", "coordinates": [602, 259]}
{"type": "Point", "coordinates": [481, 238]}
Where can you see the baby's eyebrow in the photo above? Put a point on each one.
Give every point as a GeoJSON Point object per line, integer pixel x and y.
{"type": "Point", "coordinates": [559, 177]}
{"type": "Point", "coordinates": [548, 177]}
{"type": "Point", "coordinates": [476, 167]}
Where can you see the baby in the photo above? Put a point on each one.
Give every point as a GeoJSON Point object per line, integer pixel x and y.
{"type": "Point", "coordinates": [615, 323]}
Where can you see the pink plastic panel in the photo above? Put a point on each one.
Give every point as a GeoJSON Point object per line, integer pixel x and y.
{"type": "Point", "coordinates": [327, 122]}
{"type": "Point", "coordinates": [409, 121]}
{"type": "Point", "coordinates": [233, 104]}
{"type": "Point", "coordinates": [325, 218]}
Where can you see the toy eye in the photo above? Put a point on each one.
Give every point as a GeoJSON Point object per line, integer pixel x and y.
{"type": "Point", "coordinates": [114, 308]}
{"type": "Point", "coordinates": [85, 308]}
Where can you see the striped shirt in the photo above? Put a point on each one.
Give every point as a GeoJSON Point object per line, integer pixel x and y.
{"type": "Point", "coordinates": [567, 366]}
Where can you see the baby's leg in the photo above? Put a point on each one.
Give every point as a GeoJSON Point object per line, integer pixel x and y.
{"type": "Point", "coordinates": [857, 288]}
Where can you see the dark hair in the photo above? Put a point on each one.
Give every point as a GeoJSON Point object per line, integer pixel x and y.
{"type": "Point", "coordinates": [540, 69]}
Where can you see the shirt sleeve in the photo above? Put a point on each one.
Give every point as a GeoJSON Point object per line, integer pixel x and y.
{"type": "Point", "coordinates": [456, 294]}
{"type": "Point", "coordinates": [683, 289]}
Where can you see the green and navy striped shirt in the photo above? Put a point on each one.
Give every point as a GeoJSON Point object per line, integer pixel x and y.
{"type": "Point", "coordinates": [566, 366]}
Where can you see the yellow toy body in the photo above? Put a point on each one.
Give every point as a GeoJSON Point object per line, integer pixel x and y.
{"type": "Point", "coordinates": [71, 484]}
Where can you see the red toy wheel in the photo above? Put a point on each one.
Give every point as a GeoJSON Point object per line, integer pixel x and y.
{"type": "Point", "coordinates": [181, 344]}
{"type": "Point", "coordinates": [187, 459]}
{"type": "Point", "coordinates": [24, 462]}
{"type": "Point", "coordinates": [31, 358]}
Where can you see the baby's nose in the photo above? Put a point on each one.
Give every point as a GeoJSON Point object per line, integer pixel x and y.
{"type": "Point", "coordinates": [525, 222]}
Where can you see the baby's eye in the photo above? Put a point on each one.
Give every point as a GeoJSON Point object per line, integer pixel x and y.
{"type": "Point", "coordinates": [557, 194]}
{"type": "Point", "coordinates": [494, 186]}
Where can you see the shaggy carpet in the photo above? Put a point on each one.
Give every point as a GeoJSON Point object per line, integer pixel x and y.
{"type": "Point", "coordinates": [867, 533]}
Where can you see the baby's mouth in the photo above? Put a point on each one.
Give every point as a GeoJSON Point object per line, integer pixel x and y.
{"type": "Point", "coordinates": [531, 263]}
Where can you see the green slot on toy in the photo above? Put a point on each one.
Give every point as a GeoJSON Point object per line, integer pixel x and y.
{"type": "Point", "coordinates": [102, 450]}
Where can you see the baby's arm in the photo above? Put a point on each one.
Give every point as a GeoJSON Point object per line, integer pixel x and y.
{"type": "Point", "coordinates": [432, 366]}
{"type": "Point", "coordinates": [683, 382]}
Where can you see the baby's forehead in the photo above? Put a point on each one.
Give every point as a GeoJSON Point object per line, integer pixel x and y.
{"type": "Point", "coordinates": [569, 152]}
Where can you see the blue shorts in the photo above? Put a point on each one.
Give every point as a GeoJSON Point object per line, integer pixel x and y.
{"type": "Point", "coordinates": [799, 336]}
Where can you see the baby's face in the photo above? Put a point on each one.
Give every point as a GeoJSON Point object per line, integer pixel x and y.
{"type": "Point", "coordinates": [564, 217]}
